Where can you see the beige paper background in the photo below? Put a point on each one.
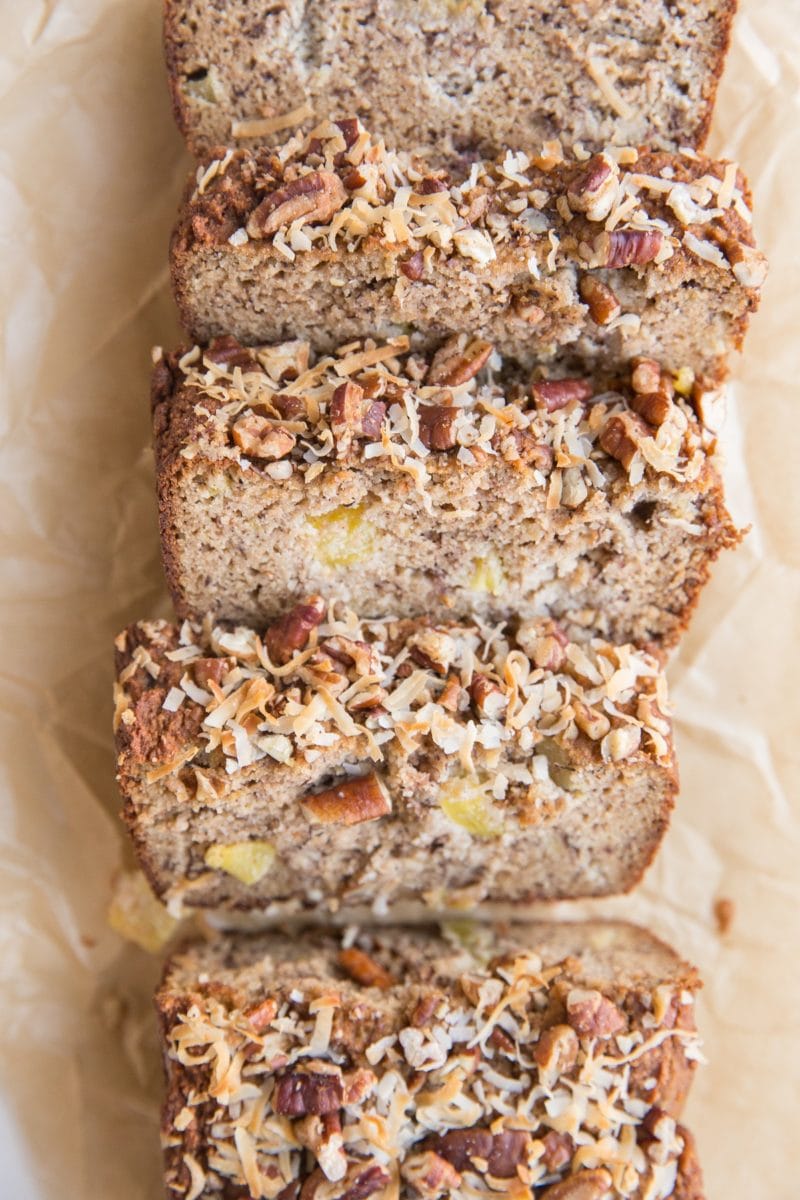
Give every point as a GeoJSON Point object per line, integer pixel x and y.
{"type": "Point", "coordinates": [90, 172]}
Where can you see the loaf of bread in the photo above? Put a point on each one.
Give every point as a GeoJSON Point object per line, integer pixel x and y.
{"type": "Point", "coordinates": [594, 260]}
{"type": "Point", "coordinates": [547, 1059]}
{"type": "Point", "coordinates": [448, 77]}
{"type": "Point", "coordinates": [337, 762]}
{"type": "Point", "coordinates": [442, 486]}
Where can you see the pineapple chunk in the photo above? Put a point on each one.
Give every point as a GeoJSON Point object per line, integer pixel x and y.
{"type": "Point", "coordinates": [488, 575]}
{"type": "Point", "coordinates": [136, 914]}
{"type": "Point", "coordinates": [684, 381]}
{"type": "Point", "coordinates": [345, 536]}
{"type": "Point", "coordinates": [469, 803]}
{"type": "Point", "coordinates": [246, 861]}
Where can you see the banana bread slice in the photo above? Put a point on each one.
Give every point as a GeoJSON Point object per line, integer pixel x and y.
{"type": "Point", "coordinates": [547, 1060]}
{"type": "Point", "coordinates": [334, 237]}
{"type": "Point", "coordinates": [334, 761]}
{"type": "Point", "coordinates": [442, 486]}
{"type": "Point", "coordinates": [453, 75]}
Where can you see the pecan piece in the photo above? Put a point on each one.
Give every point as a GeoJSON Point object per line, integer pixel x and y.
{"type": "Point", "coordinates": [431, 184]}
{"type": "Point", "coordinates": [260, 1016]}
{"type": "Point", "coordinates": [594, 190]}
{"type": "Point", "coordinates": [424, 1009]}
{"type": "Point", "coordinates": [458, 361]}
{"type": "Point", "coordinates": [432, 648]}
{"type": "Point", "coordinates": [304, 1093]}
{"type": "Point", "coordinates": [352, 652]}
{"type": "Point", "coordinates": [207, 670]}
{"type": "Point", "coordinates": [228, 352]}
{"type": "Point", "coordinates": [628, 247]}
{"type": "Point", "coordinates": [413, 267]}
{"type": "Point", "coordinates": [591, 1014]}
{"type": "Point", "coordinates": [645, 376]}
{"type": "Point", "coordinates": [316, 197]}
{"type": "Point", "coordinates": [429, 1174]}
{"type": "Point", "coordinates": [556, 1050]}
{"type": "Point", "coordinates": [352, 416]}
{"type": "Point", "coordinates": [363, 798]}
{"type": "Point", "coordinates": [602, 303]}
{"type": "Point", "coordinates": [558, 1150]}
{"type": "Point", "coordinates": [450, 695]}
{"type": "Point", "coordinates": [552, 394]}
{"type": "Point", "coordinates": [258, 437]}
{"type": "Point", "coordinates": [292, 631]}
{"type": "Point", "coordinates": [620, 437]}
{"type": "Point", "coordinates": [437, 426]}
{"type": "Point", "coordinates": [290, 407]}
{"type": "Point", "coordinates": [653, 406]}
{"type": "Point", "coordinates": [749, 266]}
{"type": "Point", "coordinates": [374, 1179]}
{"type": "Point", "coordinates": [502, 1152]}
{"type": "Point", "coordinates": [519, 445]}
{"type": "Point", "coordinates": [349, 130]}
{"type": "Point", "coordinates": [585, 1185]}
{"type": "Point", "coordinates": [363, 968]}
{"type": "Point", "coordinates": [490, 700]}
{"type": "Point", "coordinates": [545, 644]}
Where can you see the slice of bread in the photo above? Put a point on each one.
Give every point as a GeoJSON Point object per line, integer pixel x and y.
{"type": "Point", "coordinates": [447, 77]}
{"type": "Point", "coordinates": [547, 1059]}
{"type": "Point", "coordinates": [336, 762]}
{"type": "Point", "coordinates": [590, 260]}
{"type": "Point", "coordinates": [442, 486]}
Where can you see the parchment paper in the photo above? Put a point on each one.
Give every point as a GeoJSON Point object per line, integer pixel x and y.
{"type": "Point", "coordinates": [90, 173]}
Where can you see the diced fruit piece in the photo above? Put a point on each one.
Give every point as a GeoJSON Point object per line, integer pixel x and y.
{"type": "Point", "coordinates": [488, 575]}
{"type": "Point", "coordinates": [246, 861]}
{"type": "Point", "coordinates": [344, 536]}
{"type": "Point", "coordinates": [468, 803]}
{"type": "Point", "coordinates": [136, 914]}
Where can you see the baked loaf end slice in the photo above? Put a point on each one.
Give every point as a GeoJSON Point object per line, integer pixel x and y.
{"type": "Point", "coordinates": [335, 762]}
{"type": "Point", "coordinates": [334, 237]}
{"type": "Point", "coordinates": [453, 77]}
{"type": "Point", "coordinates": [546, 1060]}
{"type": "Point", "coordinates": [441, 486]}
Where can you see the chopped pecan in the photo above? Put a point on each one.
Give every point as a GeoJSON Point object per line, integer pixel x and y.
{"type": "Point", "coordinates": [558, 1150]}
{"type": "Point", "coordinates": [350, 130]}
{"type": "Point", "coordinates": [653, 406]}
{"type": "Point", "coordinates": [528, 311]}
{"type": "Point", "coordinates": [260, 1016]}
{"type": "Point", "coordinates": [591, 1014]}
{"type": "Point", "coordinates": [425, 1008]}
{"type": "Point", "coordinates": [290, 407]}
{"type": "Point", "coordinates": [534, 454]}
{"type": "Point", "coordinates": [301, 1093]}
{"type": "Point", "coordinates": [437, 426]}
{"type": "Point", "coordinates": [323, 1136]}
{"type": "Point", "coordinates": [645, 376]}
{"type": "Point", "coordinates": [584, 1185]}
{"type": "Point", "coordinates": [458, 361]}
{"type": "Point", "coordinates": [316, 197]}
{"type": "Point", "coordinates": [545, 643]}
{"type": "Point", "coordinates": [603, 304]}
{"type": "Point", "coordinates": [628, 247]}
{"type": "Point", "coordinates": [364, 969]}
{"type": "Point", "coordinates": [432, 648]}
{"type": "Point", "coordinates": [552, 394]}
{"type": "Point", "coordinates": [228, 352]}
{"type": "Point", "coordinates": [499, 1040]}
{"type": "Point", "coordinates": [620, 437]}
{"type": "Point", "coordinates": [207, 670]}
{"type": "Point", "coordinates": [502, 1152]}
{"type": "Point", "coordinates": [353, 416]}
{"type": "Point", "coordinates": [749, 265]}
{"type": "Point", "coordinates": [488, 698]}
{"type": "Point", "coordinates": [556, 1051]}
{"type": "Point", "coordinates": [594, 190]}
{"type": "Point", "coordinates": [594, 724]}
{"type": "Point", "coordinates": [363, 798]}
{"type": "Point", "coordinates": [413, 267]}
{"type": "Point", "coordinates": [358, 1085]}
{"type": "Point", "coordinates": [358, 654]}
{"type": "Point", "coordinates": [372, 697]}
{"type": "Point", "coordinates": [374, 1179]}
{"type": "Point", "coordinates": [450, 695]}
{"type": "Point", "coordinates": [431, 184]}
{"type": "Point", "coordinates": [292, 631]}
{"type": "Point", "coordinates": [356, 1185]}
{"type": "Point", "coordinates": [429, 1174]}
{"type": "Point", "coordinates": [258, 437]}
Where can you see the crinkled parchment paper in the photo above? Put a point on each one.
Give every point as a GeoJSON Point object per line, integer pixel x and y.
{"type": "Point", "coordinates": [90, 173]}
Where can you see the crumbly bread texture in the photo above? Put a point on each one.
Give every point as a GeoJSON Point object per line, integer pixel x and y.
{"type": "Point", "coordinates": [448, 77]}
{"type": "Point", "coordinates": [333, 762]}
{"type": "Point", "coordinates": [543, 1060]}
{"type": "Point", "coordinates": [594, 259]}
{"type": "Point", "coordinates": [442, 486]}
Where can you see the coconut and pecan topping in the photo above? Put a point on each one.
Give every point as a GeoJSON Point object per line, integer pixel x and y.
{"type": "Point", "coordinates": [340, 1091]}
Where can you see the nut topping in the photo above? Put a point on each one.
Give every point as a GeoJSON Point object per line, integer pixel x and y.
{"type": "Point", "coordinates": [552, 394]}
{"type": "Point", "coordinates": [458, 361]}
{"type": "Point", "coordinates": [556, 1051]}
{"type": "Point", "coordinates": [595, 189]}
{"type": "Point", "coordinates": [364, 969]}
{"type": "Point", "coordinates": [437, 426]}
{"type": "Point", "coordinates": [558, 1150]}
{"type": "Point", "coordinates": [315, 197]}
{"type": "Point", "coordinates": [621, 435]}
{"type": "Point", "coordinates": [258, 437]}
{"type": "Point", "coordinates": [654, 407]}
{"type": "Point", "coordinates": [300, 1093]}
{"type": "Point", "coordinates": [429, 1174]}
{"type": "Point", "coordinates": [363, 798]}
{"type": "Point", "coordinates": [502, 1152]}
{"type": "Point", "coordinates": [488, 698]}
{"type": "Point", "coordinates": [292, 631]}
{"type": "Point", "coordinates": [602, 303]}
{"type": "Point", "coordinates": [352, 416]}
{"type": "Point", "coordinates": [413, 267]}
{"type": "Point", "coordinates": [628, 247]}
{"type": "Point", "coordinates": [591, 1014]}
{"type": "Point", "coordinates": [646, 376]}
{"type": "Point", "coordinates": [433, 649]}
{"type": "Point", "coordinates": [585, 1185]}
{"type": "Point", "coordinates": [228, 352]}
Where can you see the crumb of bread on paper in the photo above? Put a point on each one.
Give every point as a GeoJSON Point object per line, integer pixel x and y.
{"type": "Point", "coordinates": [724, 914]}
